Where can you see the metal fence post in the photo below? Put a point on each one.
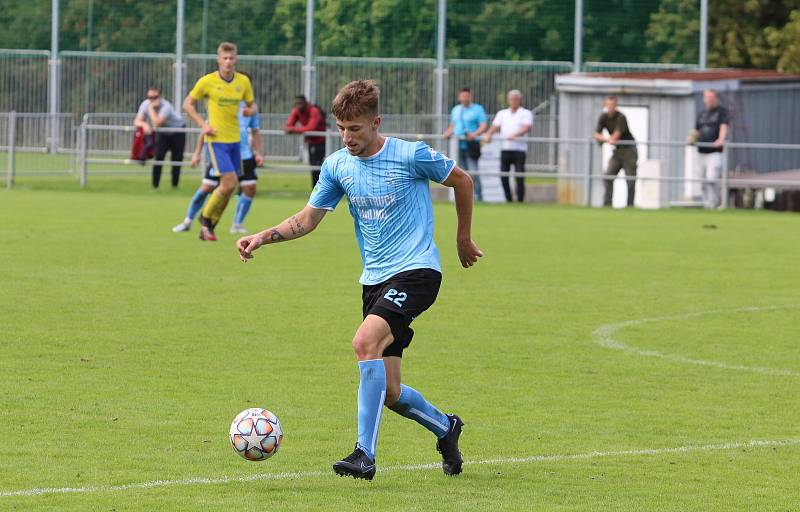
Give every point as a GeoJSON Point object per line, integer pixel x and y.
{"type": "Point", "coordinates": [723, 185]}
{"type": "Point", "coordinates": [328, 142]}
{"type": "Point", "coordinates": [553, 147]}
{"type": "Point", "coordinates": [309, 90]}
{"type": "Point", "coordinates": [82, 167]}
{"type": "Point", "coordinates": [577, 45]}
{"type": "Point", "coordinates": [177, 95]}
{"type": "Point", "coordinates": [54, 77]}
{"type": "Point", "coordinates": [12, 136]}
{"type": "Point", "coordinates": [438, 108]}
{"type": "Point", "coordinates": [588, 183]}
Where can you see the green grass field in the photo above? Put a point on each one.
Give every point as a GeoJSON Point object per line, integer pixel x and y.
{"type": "Point", "coordinates": [601, 360]}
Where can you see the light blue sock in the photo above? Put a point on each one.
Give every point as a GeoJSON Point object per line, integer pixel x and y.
{"type": "Point", "coordinates": [242, 207]}
{"type": "Point", "coordinates": [236, 210]}
{"type": "Point", "coordinates": [196, 204]}
{"type": "Point", "coordinates": [411, 404]}
{"type": "Point", "coordinates": [371, 395]}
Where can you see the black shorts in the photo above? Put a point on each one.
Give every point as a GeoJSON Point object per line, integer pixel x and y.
{"type": "Point", "coordinates": [248, 174]}
{"type": "Point", "coordinates": [399, 300]}
{"type": "Point", "coordinates": [210, 179]}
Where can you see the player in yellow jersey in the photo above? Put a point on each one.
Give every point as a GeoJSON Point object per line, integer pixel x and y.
{"type": "Point", "coordinates": [224, 90]}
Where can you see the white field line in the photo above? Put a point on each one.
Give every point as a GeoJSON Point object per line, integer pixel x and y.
{"type": "Point", "coordinates": [154, 484]}
{"type": "Point", "coordinates": [604, 336]}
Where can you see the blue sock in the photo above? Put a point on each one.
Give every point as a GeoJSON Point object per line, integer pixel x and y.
{"type": "Point", "coordinates": [242, 207]}
{"type": "Point", "coordinates": [196, 204]}
{"type": "Point", "coordinates": [371, 394]}
{"type": "Point", "coordinates": [411, 404]}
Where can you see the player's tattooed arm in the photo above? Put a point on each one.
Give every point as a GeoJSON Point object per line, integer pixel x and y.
{"type": "Point", "coordinates": [299, 224]}
{"type": "Point", "coordinates": [275, 235]}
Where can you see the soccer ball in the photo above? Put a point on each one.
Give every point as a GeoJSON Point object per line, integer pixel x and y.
{"type": "Point", "coordinates": [256, 434]}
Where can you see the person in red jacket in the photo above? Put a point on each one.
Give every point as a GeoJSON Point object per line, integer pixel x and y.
{"type": "Point", "coordinates": [308, 117]}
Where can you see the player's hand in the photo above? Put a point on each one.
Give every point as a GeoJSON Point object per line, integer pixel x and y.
{"type": "Point", "coordinates": [207, 129]}
{"type": "Point", "coordinates": [250, 110]}
{"type": "Point", "coordinates": [259, 160]}
{"type": "Point", "coordinates": [195, 159]}
{"type": "Point", "coordinates": [147, 129]}
{"type": "Point", "coordinates": [468, 252]}
{"type": "Point", "coordinates": [487, 138]}
{"type": "Point", "coordinates": [246, 245]}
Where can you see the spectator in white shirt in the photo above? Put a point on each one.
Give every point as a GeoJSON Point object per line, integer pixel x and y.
{"type": "Point", "coordinates": [155, 112]}
{"type": "Point", "coordinates": [512, 122]}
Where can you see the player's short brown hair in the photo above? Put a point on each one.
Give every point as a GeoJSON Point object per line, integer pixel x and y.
{"type": "Point", "coordinates": [227, 47]}
{"type": "Point", "coordinates": [356, 99]}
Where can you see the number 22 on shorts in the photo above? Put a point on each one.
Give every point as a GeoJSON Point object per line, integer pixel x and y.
{"type": "Point", "coordinates": [396, 297]}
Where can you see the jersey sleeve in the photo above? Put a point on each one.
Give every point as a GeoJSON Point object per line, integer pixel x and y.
{"type": "Point", "coordinates": [327, 192]}
{"type": "Point", "coordinates": [198, 92]}
{"type": "Point", "coordinates": [430, 164]}
{"type": "Point", "coordinates": [254, 123]}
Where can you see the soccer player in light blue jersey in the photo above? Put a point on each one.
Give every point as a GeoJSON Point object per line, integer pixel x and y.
{"type": "Point", "coordinates": [386, 181]}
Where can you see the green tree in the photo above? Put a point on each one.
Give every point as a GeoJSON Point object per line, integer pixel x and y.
{"type": "Point", "coordinates": [521, 30]}
{"type": "Point", "coordinates": [785, 44]}
{"type": "Point", "coordinates": [380, 28]}
{"type": "Point", "coordinates": [257, 28]}
{"type": "Point", "coordinates": [737, 35]}
{"type": "Point", "coordinates": [122, 25]}
{"type": "Point", "coordinates": [25, 25]}
{"type": "Point", "coordinates": [674, 31]}
{"type": "Point", "coordinates": [614, 30]}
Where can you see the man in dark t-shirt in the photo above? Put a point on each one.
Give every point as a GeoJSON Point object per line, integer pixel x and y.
{"type": "Point", "coordinates": [711, 129]}
{"type": "Point", "coordinates": [625, 154]}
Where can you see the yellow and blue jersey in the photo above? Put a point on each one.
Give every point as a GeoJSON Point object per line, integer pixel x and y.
{"type": "Point", "coordinates": [223, 98]}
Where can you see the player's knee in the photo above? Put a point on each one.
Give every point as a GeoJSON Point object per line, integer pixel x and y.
{"type": "Point", "coordinates": [364, 346]}
{"type": "Point", "coordinates": [226, 188]}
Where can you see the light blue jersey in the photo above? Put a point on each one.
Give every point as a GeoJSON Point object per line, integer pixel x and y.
{"type": "Point", "coordinates": [245, 125]}
{"type": "Point", "coordinates": [390, 202]}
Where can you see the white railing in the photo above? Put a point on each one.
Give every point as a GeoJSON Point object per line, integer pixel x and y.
{"type": "Point", "coordinates": [572, 163]}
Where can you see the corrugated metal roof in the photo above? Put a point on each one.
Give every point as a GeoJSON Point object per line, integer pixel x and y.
{"type": "Point", "coordinates": [743, 75]}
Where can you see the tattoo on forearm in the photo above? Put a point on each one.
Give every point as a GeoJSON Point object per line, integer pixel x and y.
{"type": "Point", "coordinates": [296, 226]}
{"type": "Point", "coordinates": [275, 236]}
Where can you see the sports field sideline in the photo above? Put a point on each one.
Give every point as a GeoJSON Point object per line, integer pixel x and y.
{"type": "Point", "coordinates": [601, 360]}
